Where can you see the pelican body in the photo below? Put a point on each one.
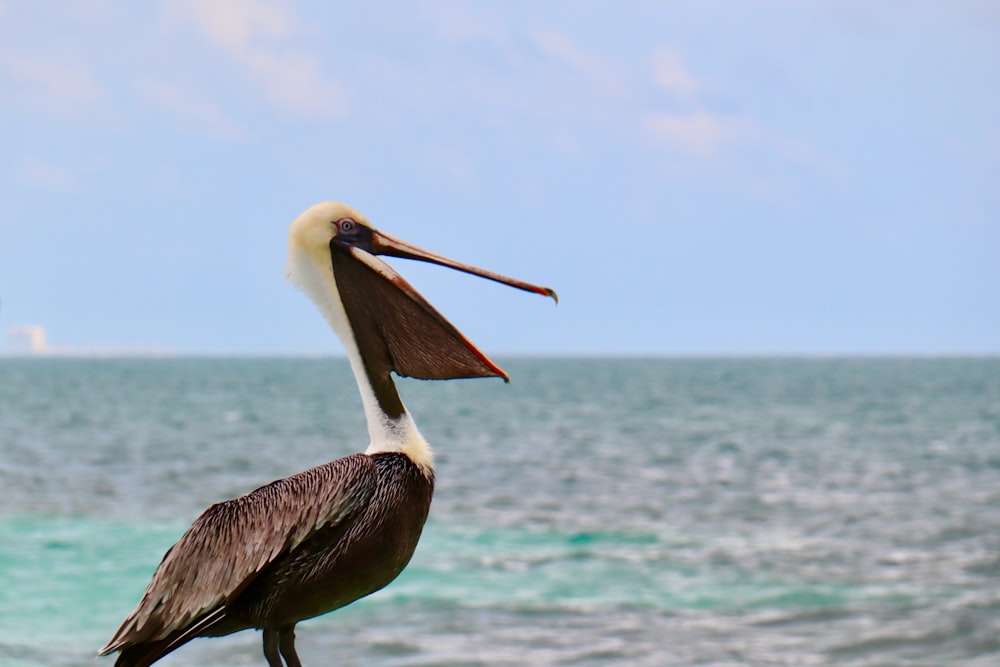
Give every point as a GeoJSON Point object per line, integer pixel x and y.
{"type": "Point", "coordinates": [318, 540]}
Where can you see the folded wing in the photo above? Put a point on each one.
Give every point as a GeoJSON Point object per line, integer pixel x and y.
{"type": "Point", "coordinates": [233, 541]}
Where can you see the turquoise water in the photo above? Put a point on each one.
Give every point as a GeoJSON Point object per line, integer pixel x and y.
{"type": "Point", "coordinates": [593, 512]}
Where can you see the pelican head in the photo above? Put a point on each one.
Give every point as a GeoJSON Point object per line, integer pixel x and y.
{"type": "Point", "coordinates": [333, 257]}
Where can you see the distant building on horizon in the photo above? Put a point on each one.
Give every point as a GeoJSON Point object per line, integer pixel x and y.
{"type": "Point", "coordinates": [32, 340]}
{"type": "Point", "coordinates": [27, 339]}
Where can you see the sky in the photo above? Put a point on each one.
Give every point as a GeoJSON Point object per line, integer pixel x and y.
{"type": "Point", "coordinates": [720, 177]}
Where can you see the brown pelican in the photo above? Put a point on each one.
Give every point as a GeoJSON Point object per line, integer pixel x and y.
{"type": "Point", "coordinates": [316, 541]}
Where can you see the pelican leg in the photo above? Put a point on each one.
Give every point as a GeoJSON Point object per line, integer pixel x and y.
{"type": "Point", "coordinates": [286, 642]}
{"type": "Point", "coordinates": [271, 638]}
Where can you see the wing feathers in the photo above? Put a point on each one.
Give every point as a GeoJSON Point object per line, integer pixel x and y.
{"type": "Point", "coordinates": [146, 653]}
{"type": "Point", "coordinates": [232, 541]}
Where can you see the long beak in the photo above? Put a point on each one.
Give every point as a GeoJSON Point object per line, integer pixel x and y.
{"type": "Point", "coordinates": [397, 329]}
{"type": "Point", "coordinates": [383, 244]}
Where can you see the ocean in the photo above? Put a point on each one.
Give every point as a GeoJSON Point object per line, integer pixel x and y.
{"type": "Point", "coordinates": [639, 512]}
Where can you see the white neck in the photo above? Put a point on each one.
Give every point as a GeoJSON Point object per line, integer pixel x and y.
{"type": "Point", "coordinates": [387, 434]}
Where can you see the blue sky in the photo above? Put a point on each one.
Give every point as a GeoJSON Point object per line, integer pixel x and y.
{"type": "Point", "coordinates": [732, 177]}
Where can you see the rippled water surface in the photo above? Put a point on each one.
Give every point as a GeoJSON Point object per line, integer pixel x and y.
{"type": "Point", "coordinates": [593, 512]}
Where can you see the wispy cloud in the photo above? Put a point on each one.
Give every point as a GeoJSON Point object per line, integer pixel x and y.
{"type": "Point", "coordinates": [192, 111]}
{"type": "Point", "coordinates": [58, 87]}
{"type": "Point", "coordinates": [700, 133]}
{"type": "Point", "coordinates": [463, 22]}
{"type": "Point", "coordinates": [234, 24]}
{"type": "Point", "coordinates": [600, 74]}
{"type": "Point", "coordinates": [573, 92]}
{"type": "Point", "coordinates": [690, 125]}
{"type": "Point", "coordinates": [191, 62]}
{"type": "Point", "coordinates": [38, 174]}
{"type": "Point", "coordinates": [266, 40]}
{"type": "Point", "coordinates": [671, 75]}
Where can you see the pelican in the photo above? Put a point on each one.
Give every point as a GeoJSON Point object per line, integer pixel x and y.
{"type": "Point", "coordinates": [318, 540]}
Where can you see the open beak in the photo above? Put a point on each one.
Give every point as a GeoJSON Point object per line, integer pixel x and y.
{"type": "Point", "coordinates": [397, 329]}
{"type": "Point", "coordinates": [383, 244]}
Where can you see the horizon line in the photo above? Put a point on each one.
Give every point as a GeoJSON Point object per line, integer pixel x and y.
{"type": "Point", "coordinates": [136, 353]}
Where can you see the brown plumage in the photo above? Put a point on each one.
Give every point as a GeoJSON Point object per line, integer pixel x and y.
{"type": "Point", "coordinates": [296, 548]}
{"type": "Point", "coordinates": [316, 541]}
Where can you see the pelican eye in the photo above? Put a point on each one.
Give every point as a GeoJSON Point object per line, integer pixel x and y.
{"type": "Point", "coordinates": [351, 233]}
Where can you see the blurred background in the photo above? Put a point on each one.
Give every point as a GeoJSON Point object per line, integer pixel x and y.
{"type": "Point", "coordinates": [761, 427]}
{"type": "Point", "coordinates": [720, 177]}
